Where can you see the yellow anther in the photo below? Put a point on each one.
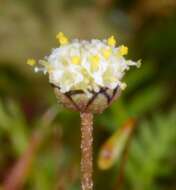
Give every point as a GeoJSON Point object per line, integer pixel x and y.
{"type": "Point", "coordinates": [63, 40]}
{"type": "Point", "coordinates": [60, 34]}
{"type": "Point", "coordinates": [123, 50]}
{"type": "Point", "coordinates": [95, 59]}
{"type": "Point", "coordinates": [94, 62]}
{"type": "Point", "coordinates": [111, 41]}
{"type": "Point", "coordinates": [31, 62]}
{"type": "Point", "coordinates": [106, 53]}
{"type": "Point", "coordinates": [75, 60]}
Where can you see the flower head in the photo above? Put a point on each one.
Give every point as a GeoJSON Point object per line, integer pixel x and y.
{"type": "Point", "coordinates": [86, 65]}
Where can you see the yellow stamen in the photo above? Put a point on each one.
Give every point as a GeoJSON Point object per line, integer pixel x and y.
{"type": "Point", "coordinates": [75, 60]}
{"type": "Point", "coordinates": [95, 59]}
{"type": "Point", "coordinates": [63, 40]}
{"type": "Point", "coordinates": [31, 62]}
{"type": "Point", "coordinates": [106, 53]}
{"type": "Point", "coordinates": [123, 50]}
{"type": "Point", "coordinates": [94, 62]}
{"type": "Point", "coordinates": [111, 41]}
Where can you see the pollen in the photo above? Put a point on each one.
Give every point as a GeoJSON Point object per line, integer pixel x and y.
{"type": "Point", "coordinates": [111, 41]}
{"type": "Point", "coordinates": [63, 40]}
{"type": "Point", "coordinates": [75, 60]}
{"type": "Point", "coordinates": [31, 62]}
{"type": "Point", "coordinates": [94, 62]}
{"type": "Point", "coordinates": [106, 53]}
{"type": "Point", "coordinates": [123, 50]}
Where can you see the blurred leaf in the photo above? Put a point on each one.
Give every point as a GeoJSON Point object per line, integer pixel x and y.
{"type": "Point", "coordinates": [113, 148]}
{"type": "Point", "coordinates": [147, 99]}
{"type": "Point", "coordinates": [156, 139]}
{"type": "Point", "coordinates": [19, 172]}
{"type": "Point", "coordinates": [138, 77]}
{"type": "Point", "coordinates": [12, 121]}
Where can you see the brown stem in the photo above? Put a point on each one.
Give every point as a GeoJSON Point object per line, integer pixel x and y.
{"type": "Point", "coordinates": [86, 150]}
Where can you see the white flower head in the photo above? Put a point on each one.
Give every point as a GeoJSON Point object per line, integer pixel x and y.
{"type": "Point", "coordinates": [86, 65]}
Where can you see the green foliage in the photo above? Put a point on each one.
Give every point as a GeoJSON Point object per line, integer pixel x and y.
{"type": "Point", "coordinates": [152, 148]}
{"type": "Point", "coordinates": [13, 125]}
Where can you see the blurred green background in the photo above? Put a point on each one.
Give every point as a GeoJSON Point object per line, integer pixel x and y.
{"type": "Point", "coordinates": [40, 140]}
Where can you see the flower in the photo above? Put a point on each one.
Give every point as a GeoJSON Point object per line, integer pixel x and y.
{"type": "Point", "coordinates": [86, 65]}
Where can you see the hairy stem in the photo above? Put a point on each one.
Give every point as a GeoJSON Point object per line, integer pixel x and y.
{"type": "Point", "coordinates": [86, 150]}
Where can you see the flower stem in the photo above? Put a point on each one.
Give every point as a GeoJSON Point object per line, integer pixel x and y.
{"type": "Point", "coordinates": [86, 151]}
